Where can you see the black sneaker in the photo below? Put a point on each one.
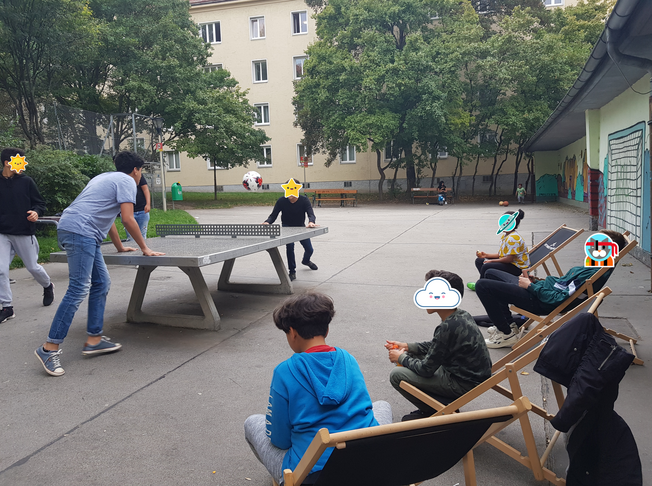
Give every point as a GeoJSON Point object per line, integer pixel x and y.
{"type": "Point", "coordinates": [417, 414]}
{"type": "Point", "coordinates": [48, 294]}
{"type": "Point", "coordinates": [12, 281]}
{"type": "Point", "coordinates": [310, 265]}
{"type": "Point", "coordinates": [293, 276]}
{"type": "Point", "coordinates": [7, 313]}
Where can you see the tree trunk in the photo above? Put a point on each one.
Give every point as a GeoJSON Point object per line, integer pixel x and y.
{"type": "Point", "coordinates": [499, 168]}
{"type": "Point", "coordinates": [381, 171]}
{"type": "Point", "coordinates": [519, 159]}
{"type": "Point", "coordinates": [215, 181]}
{"type": "Point", "coordinates": [410, 172]}
{"type": "Point", "coordinates": [456, 189]}
{"type": "Point", "coordinates": [434, 173]}
{"type": "Point", "coordinates": [475, 172]}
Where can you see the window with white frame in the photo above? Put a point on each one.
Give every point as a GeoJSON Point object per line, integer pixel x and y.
{"type": "Point", "coordinates": [173, 161]}
{"type": "Point", "coordinates": [347, 155]}
{"type": "Point", "coordinates": [140, 144]}
{"type": "Point", "coordinates": [266, 160]}
{"type": "Point", "coordinates": [211, 33]}
{"type": "Point", "coordinates": [257, 27]}
{"type": "Point", "coordinates": [210, 166]}
{"type": "Point", "coordinates": [487, 136]}
{"type": "Point", "coordinates": [391, 151]}
{"type": "Point", "coordinates": [299, 22]}
{"type": "Point", "coordinates": [262, 113]}
{"type": "Point", "coordinates": [298, 66]}
{"type": "Point", "coordinates": [552, 3]}
{"type": "Point", "coordinates": [301, 155]}
{"type": "Point", "coordinates": [259, 71]}
{"type": "Point", "coordinates": [212, 67]}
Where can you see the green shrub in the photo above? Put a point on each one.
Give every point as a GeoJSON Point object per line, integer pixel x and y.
{"type": "Point", "coordinates": [61, 176]}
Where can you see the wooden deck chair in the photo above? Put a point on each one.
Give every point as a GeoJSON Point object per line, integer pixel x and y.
{"type": "Point", "coordinates": [586, 290]}
{"type": "Point", "coordinates": [405, 452]}
{"type": "Point", "coordinates": [545, 251]}
{"type": "Point", "coordinates": [508, 370]}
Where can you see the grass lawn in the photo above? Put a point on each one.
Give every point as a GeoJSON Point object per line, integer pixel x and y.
{"type": "Point", "coordinates": [47, 237]}
{"type": "Point", "coordinates": [206, 200]}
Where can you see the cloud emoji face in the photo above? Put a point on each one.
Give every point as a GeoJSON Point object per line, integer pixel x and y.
{"type": "Point", "coordinates": [437, 294]}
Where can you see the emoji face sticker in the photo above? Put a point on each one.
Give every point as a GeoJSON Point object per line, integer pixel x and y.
{"type": "Point", "coordinates": [507, 222]}
{"type": "Point", "coordinates": [17, 163]}
{"type": "Point", "coordinates": [292, 188]}
{"type": "Point", "coordinates": [600, 251]}
{"type": "Point", "coordinates": [437, 294]}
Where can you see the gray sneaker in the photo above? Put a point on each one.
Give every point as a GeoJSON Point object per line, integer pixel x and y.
{"type": "Point", "coordinates": [491, 330]}
{"type": "Point", "coordinates": [500, 340]}
{"type": "Point", "coordinates": [51, 361]}
{"type": "Point", "coordinates": [103, 347]}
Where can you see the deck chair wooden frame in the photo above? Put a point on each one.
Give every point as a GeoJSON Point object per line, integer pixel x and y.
{"type": "Point", "coordinates": [402, 434]}
{"type": "Point", "coordinates": [587, 289]}
{"type": "Point", "coordinates": [552, 254]}
{"type": "Point", "coordinates": [508, 368]}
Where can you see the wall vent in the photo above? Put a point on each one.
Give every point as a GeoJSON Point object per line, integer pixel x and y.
{"type": "Point", "coordinates": [265, 186]}
{"type": "Point", "coordinates": [348, 184]}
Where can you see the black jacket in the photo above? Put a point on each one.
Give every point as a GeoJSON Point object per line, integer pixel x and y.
{"type": "Point", "coordinates": [19, 194]}
{"type": "Point", "coordinates": [293, 214]}
{"type": "Point", "coordinates": [583, 357]}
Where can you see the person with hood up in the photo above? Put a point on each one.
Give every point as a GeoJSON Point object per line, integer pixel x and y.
{"type": "Point", "coordinates": [319, 386]}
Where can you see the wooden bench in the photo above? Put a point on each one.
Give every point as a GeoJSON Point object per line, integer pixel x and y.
{"type": "Point", "coordinates": [430, 192]}
{"type": "Point", "coordinates": [345, 196]}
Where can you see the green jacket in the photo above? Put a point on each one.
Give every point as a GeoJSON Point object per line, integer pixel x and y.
{"type": "Point", "coordinates": [553, 291]}
{"type": "Point", "coordinates": [457, 345]}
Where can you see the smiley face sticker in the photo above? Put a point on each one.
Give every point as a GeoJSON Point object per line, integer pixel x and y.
{"type": "Point", "coordinates": [437, 294]}
{"type": "Point", "coordinates": [292, 188]}
{"type": "Point", "coordinates": [507, 222]}
{"type": "Point", "coordinates": [17, 163]}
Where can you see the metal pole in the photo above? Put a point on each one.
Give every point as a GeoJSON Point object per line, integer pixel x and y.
{"type": "Point", "coordinates": [133, 126]}
{"type": "Point", "coordinates": [160, 140]}
{"type": "Point", "coordinates": [112, 128]}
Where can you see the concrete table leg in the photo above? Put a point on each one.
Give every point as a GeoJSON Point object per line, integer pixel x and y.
{"type": "Point", "coordinates": [210, 320]}
{"type": "Point", "coordinates": [284, 287]}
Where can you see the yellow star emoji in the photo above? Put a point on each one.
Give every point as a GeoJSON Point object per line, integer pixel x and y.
{"type": "Point", "coordinates": [292, 188]}
{"type": "Point", "coordinates": [17, 163]}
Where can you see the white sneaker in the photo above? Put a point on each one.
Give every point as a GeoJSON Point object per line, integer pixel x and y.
{"type": "Point", "coordinates": [491, 330]}
{"type": "Point", "coordinates": [500, 340]}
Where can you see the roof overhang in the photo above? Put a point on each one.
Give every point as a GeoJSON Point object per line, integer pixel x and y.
{"type": "Point", "coordinates": [629, 28]}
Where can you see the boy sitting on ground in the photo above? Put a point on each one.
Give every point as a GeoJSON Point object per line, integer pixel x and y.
{"type": "Point", "coordinates": [319, 386]}
{"type": "Point", "coordinates": [453, 363]}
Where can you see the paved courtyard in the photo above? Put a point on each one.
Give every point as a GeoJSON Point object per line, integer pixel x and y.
{"type": "Point", "coordinates": [168, 408]}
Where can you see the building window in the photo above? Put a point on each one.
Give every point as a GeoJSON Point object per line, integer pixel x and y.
{"type": "Point", "coordinates": [347, 155]}
{"type": "Point", "coordinates": [553, 3]}
{"type": "Point", "coordinates": [262, 113]}
{"type": "Point", "coordinates": [301, 155]}
{"type": "Point", "coordinates": [140, 144]}
{"type": "Point", "coordinates": [487, 136]}
{"type": "Point", "coordinates": [211, 33]}
{"type": "Point", "coordinates": [298, 66]}
{"type": "Point", "coordinates": [209, 164]}
{"type": "Point", "coordinates": [259, 71]}
{"type": "Point", "coordinates": [257, 29]}
{"type": "Point", "coordinates": [299, 22]}
{"type": "Point", "coordinates": [212, 67]}
{"type": "Point", "coordinates": [392, 151]}
{"type": "Point", "coordinates": [173, 161]}
{"type": "Point", "coordinates": [266, 160]}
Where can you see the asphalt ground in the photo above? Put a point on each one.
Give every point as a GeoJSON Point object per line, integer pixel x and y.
{"type": "Point", "coordinates": [168, 408]}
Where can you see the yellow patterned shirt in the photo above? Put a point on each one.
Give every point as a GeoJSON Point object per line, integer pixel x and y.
{"type": "Point", "coordinates": [514, 244]}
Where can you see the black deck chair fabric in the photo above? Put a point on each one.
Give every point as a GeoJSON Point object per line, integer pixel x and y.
{"type": "Point", "coordinates": [403, 457]}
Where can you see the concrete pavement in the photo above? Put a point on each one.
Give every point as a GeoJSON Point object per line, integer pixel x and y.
{"type": "Point", "coordinates": [168, 408]}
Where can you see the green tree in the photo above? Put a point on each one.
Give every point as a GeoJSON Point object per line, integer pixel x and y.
{"type": "Point", "coordinates": [37, 38]}
{"type": "Point", "coordinates": [217, 123]}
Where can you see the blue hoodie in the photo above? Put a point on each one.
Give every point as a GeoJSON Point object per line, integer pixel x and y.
{"type": "Point", "coordinates": [311, 391]}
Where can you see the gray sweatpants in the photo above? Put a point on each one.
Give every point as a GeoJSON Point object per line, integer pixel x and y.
{"type": "Point", "coordinates": [26, 247]}
{"type": "Point", "coordinates": [272, 457]}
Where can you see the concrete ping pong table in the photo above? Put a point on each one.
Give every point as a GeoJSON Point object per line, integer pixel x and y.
{"type": "Point", "coordinates": [191, 252]}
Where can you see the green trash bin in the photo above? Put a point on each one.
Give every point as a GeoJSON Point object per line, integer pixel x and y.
{"type": "Point", "coordinates": [177, 192]}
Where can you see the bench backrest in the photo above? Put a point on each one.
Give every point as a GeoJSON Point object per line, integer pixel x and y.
{"type": "Point", "coordinates": [333, 191]}
{"type": "Point", "coordinates": [232, 230]}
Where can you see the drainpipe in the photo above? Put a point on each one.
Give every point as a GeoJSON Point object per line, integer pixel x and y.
{"type": "Point", "coordinates": [642, 63]}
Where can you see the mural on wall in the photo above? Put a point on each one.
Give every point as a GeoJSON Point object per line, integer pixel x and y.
{"type": "Point", "coordinates": [546, 188]}
{"type": "Point", "coordinates": [572, 180]}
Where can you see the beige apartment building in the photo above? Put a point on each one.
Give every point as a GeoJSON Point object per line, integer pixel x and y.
{"type": "Point", "coordinates": [262, 43]}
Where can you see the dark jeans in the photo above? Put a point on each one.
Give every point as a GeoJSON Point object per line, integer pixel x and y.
{"type": "Point", "coordinates": [307, 253]}
{"type": "Point", "coordinates": [498, 290]}
{"type": "Point", "coordinates": [504, 267]}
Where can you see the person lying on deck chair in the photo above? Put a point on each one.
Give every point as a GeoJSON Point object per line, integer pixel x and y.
{"type": "Point", "coordinates": [499, 289]}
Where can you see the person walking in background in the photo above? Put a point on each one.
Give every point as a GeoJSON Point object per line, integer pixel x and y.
{"type": "Point", "coordinates": [141, 208]}
{"type": "Point", "coordinates": [82, 228]}
{"type": "Point", "coordinates": [21, 205]}
{"type": "Point", "coordinates": [520, 193]}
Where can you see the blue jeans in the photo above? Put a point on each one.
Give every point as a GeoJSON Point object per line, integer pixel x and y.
{"type": "Point", "coordinates": [307, 253]}
{"type": "Point", "coordinates": [142, 218]}
{"type": "Point", "coordinates": [87, 275]}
